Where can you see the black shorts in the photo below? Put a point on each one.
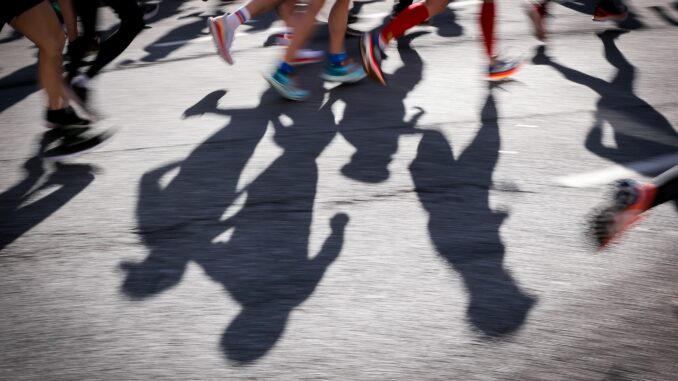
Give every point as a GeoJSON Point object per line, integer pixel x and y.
{"type": "Point", "coordinates": [9, 9]}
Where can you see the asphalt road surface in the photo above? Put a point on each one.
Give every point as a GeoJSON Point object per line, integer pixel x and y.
{"type": "Point", "coordinates": [429, 230]}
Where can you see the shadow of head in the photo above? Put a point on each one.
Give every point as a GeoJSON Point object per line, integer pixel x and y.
{"type": "Point", "coordinates": [254, 331]}
{"type": "Point", "coordinates": [500, 311]}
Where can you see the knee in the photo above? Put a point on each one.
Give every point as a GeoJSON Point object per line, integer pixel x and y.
{"type": "Point", "coordinates": [53, 46]}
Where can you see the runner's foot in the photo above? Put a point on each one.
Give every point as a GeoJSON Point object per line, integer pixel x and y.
{"type": "Point", "coordinates": [286, 84]}
{"type": "Point", "coordinates": [64, 117]}
{"type": "Point", "coordinates": [502, 69]}
{"type": "Point", "coordinates": [371, 55]}
{"type": "Point", "coordinates": [345, 72]}
{"type": "Point", "coordinates": [629, 200]}
{"type": "Point", "coordinates": [223, 36]}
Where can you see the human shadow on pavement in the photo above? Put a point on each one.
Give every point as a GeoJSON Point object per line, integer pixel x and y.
{"type": "Point", "coordinates": [639, 130]}
{"type": "Point", "coordinates": [253, 239]}
{"type": "Point", "coordinates": [375, 146]}
{"type": "Point", "coordinates": [463, 227]}
{"type": "Point", "coordinates": [176, 38]}
{"type": "Point", "coordinates": [447, 25]}
{"type": "Point", "coordinates": [455, 193]}
{"type": "Point", "coordinates": [664, 14]}
{"type": "Point", "coordinates": [19, 213]}
{"type": "Point", "coordinates": [18, 85]}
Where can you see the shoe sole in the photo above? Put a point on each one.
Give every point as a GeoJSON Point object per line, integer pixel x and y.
{"type": "Point", "coordinates": [103, 138]}
{"type": "Point", "coordinates": [627, 224]}
{"type": "Point", "coordinates": [282, 91]}
{"type": "Point", "coordinates": [218, 38]}
{"type": "Point", "coordinates": [503, 75]}
{"type": "Point", "coordinates": [342, 79]}
{"type": "Point", "coordinates": [368, 60]}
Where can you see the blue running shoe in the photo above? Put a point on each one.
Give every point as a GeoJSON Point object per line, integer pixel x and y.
{"type": "Point", "coordinates": [287, 86]}
{"type": "Point", "coordinates": [346, 72]}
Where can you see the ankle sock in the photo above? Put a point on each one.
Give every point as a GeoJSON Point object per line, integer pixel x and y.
{"type": "Point", "coordinates": [285, 68]}
{"type": "Point", "coordinates": [237, 18]}
{"type": "Point", "coordinates": [337, 59]}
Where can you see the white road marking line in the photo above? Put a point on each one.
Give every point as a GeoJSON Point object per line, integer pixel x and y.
{"type": "Point", "coordinates": [527, 125]}
{"type": "Point", "coordinates": [608, 175]}
{"type": "Point", "coordinates": [509, 152]}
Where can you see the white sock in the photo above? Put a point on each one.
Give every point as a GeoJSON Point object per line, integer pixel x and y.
{"type": "Point", "coordinates": [237, 18]}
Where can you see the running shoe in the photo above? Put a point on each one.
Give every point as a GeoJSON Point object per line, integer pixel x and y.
{"type": "Point", "coordinates": [74, 141]}
{"type": "Point", "coordinates": [610, 11]}
{"type": "Point", "coordinates": [346, 72]}
{"type": "Point", "coordinates": [629, 200]}
{"type": "Point", "coordinates": [64, 117]}
{"type": "Point", "coordinates": [287, 86]}
{"type": "Point", "coordinates": [503, 69]}
{"type": "Point", "coordinates": [371, 55]}
{"type": "Point", "coordinates": [307, 56]}
{"type": "Point", "coordinates": [222, 36]}
{"type": "Point", "coordinates": [536, 11]}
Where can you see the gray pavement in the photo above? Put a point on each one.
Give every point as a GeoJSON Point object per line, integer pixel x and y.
{"type": "Point", "coordinates": [433, 229]}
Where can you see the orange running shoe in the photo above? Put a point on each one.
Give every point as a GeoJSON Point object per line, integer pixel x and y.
{"type": "Point", "coordinates": [630, 200]}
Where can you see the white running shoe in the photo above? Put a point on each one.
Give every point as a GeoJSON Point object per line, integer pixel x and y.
{"type": "Point", "coordinates": [222, 36]}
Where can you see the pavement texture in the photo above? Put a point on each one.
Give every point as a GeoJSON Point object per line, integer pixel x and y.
{"type": "Point", "coordinates": [432, 229]}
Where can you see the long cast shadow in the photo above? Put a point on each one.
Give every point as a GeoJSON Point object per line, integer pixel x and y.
{"type": "Point", "coordinates": [17, 217]}
{"type": "Point", "coordinates": [257, 249]}
{"type": "Point", "coordinates": [463, 227]}
{"type": "Point", "coordinates": [455, 193]}
{"type": "Point", "coordinates": [639, 130]}
{"type": "Point", "coordinates": [18, 85]}
{"type": "Point", "coordinates": [664, 14]}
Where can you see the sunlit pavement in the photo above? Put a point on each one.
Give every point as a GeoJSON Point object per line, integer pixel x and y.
{"type": "Point", "coordinates": [432, 229]}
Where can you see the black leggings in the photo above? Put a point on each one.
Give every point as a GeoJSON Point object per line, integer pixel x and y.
{"type": "Point", "coordinates": [667, 186]}
{"type": "Point", "coordinates": [131, 23]}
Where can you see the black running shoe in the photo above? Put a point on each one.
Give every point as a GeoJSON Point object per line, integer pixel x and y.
{"type": "Point", "coordinates": [64, 117]}
{"type": "Point", "coordinates": [75, 141]}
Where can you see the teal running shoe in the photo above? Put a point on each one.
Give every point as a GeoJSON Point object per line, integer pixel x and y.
{"type": "Point", "coordinates": [287, 86]}
{"type": "Point", "coordinates": [346, 72]}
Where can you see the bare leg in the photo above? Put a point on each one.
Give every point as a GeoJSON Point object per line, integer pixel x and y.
{"type": "Point", "coordinates": [40, 25]}
{"type": "Point", "coordinates": [304, 29]}
{"type": "Point", "coordinates": [337, 26]}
